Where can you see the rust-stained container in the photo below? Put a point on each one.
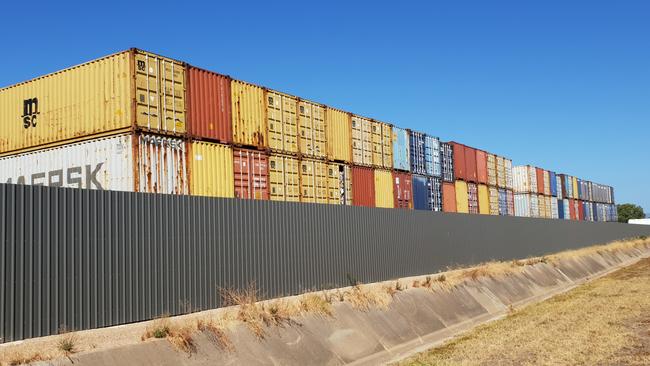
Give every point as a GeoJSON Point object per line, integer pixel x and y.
{"type": "Point", "coordinates": [361, 141]}
{"type": "Point", "coordinates": [472, 198]}
{"type": "Point", "coordinates": [127, 91]}
{"type": "Point", "coordinates": [313, 181]}
{"type": "Point", "coordinates": [130, 162]}
{"type": "Point", "coordinates": [572, 209]}
{"type": "Point", "coordinates": [384, 189]}
{"type": "Point", "coordinates": [581, 210]}
{"type": "Point", "coordinates": [491, 162]}
{"type": "Point", "coordinates": [470, 164]}
{"type": "Point", "coordinates": [248, 115]}
{"type": "Point", "coordinates": [338, 135]}
{"type": "Point", "coordinates": [402, 190]}
{"type": "Point", "coordinates": [483, 200]}
{"type": "Point", "coordinates": [501, 172]}
{"type": "Point", "coordinates": [284, 178]}
{"type": "Point", "coordinates": [339, 184]}
{"type": "Point", "coordinates": [281, 122]}
{"type": "Point", "coordinates": [459, 160]}
{"type": "Point", "coordinates": [481, 167]}
{"type": "Point", "coordinates": [211, 169]}
{"type": "Point", "coordinates": [448, 197]}
{"type": "Point", "coordinates": [251, 173]}
{"type": "Point", "coordinates": [363, 184]}
{"type": "Point", "coordinates": [462, 203]}
{"type": "Point", "coordinates": [539, 172]}
{"type": "Point", "coordinates": [510, 201]}
{"type": "Point", "coordinates": [494, 200]}
{"type": "Point", "coordinates": [209, 113]}
{"type": "Point", "coordinates": [311, 129]}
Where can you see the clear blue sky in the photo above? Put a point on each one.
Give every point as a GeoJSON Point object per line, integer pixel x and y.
{"type": "Point", "coordinates": [563, 85]}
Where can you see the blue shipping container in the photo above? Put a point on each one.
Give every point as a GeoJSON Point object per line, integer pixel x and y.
{"type": "Point", "coordinates": [560, 209]}
{"type": "Point", "coordinates": [594, 209]}
{"type": "Point", "coordinates": [432, 155]}
{"type": "Point", "coordinates": [447, 162]}
{"type": "Point", "coordinates": [427, 193]}
{"type": "Point", "coordinates": [503, 202]}
{"type": "Point", "coordinates": [401, 149]}
{"type": "Point", "coordinates": [553, 179]}
{"type": "Point", "coordinates": [417, 153]}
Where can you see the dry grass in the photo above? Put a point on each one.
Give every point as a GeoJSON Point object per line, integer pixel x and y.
{"type": "Point", "coordinates": [68, 344]}
{"type": "Point", "coordinates": [606, 322]}
{"type": "Point", "coordinates": [317, 304]}
{"type": "Point", "coordinates": [178, 334]}
{"type": "Point", "coordinates": [19, 358]}
{"type": "Point", "coordinates": [365, 297]}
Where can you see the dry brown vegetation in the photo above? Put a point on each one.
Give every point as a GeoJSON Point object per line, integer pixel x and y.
{"type": "Point", "coordinates": [179, 335]}
{"type": "Point", "coordinates": [605, 322]}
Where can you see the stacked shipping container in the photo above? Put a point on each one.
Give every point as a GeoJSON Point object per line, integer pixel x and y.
{"type": "Point", "coordinates": [174, 128]}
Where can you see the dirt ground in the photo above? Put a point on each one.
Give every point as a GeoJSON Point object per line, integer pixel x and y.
{"type": "Point", "coordinates": [605, 322]}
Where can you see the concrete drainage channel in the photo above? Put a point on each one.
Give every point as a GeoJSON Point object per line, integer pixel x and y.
{"type": "Point", "coordinates": [415, 320]}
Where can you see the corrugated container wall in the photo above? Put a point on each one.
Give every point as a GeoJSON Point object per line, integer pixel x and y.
{"type": "Point", "coordinates": [508, 168]}
{"type": "Point", "coordinates": [211, 171]}
{"type": "Point", "coordinates": [383, 146]}
{"type": "Point", "coordinates": [384, 189]}
{"type": "Point", "coordinates": [427, 193]}
{"type": "Point", "coordinates": [494, 200]}
{"type": "Point", "coordinates": [458, 155]}
{"type": "Point", "coordinates": [554, 208]}
{"type": "Point", "coordinates": [553, 180]}
{"type": "Point", "coordinates": [339, 184]}
{"type": "Point", "coordinates": [313, 181]}
{"type": "Point", "coordinates": [470, 164]}
{"type": "Point", "coordinates": [402, 190]}
{"type": "Point", "coordinates": [401, 150]}
{"type": "Point", "coordinates": [248, 119]}
{"type": "Point", "coordinates": [432, 155]}
{"type": "Point", "coordinates": [361, 141]}
{"type": "Point", "coordinates": [251, 173]}
{"type": "Point", "coordinates": [284, 178]}
{"type": "Point", "coordinates": [472, 198]}
{"type": "Point", "coordinates": [524, 179]}
{"type": "Point", "coordinates": [312, 129]}
{"type": "Point", "coordinates": [417, 152]}
{"type": "Point", "coordinates": [481, 166]}
{"type": "Point", "coordinates": [547, 183]}
{"type": "Point", "coordinates": [503, 202]}
{"type": "Point", "coordinates": [574, 183]}
{"type": "Point", "coordinates": [566, 209]}
{"type": "Point", "coordinates": [338, 136]}
{"type": "Point", "coordinates": [448, 197]}
{"type": "Point", "coordinates": [363, 185]}
{"type": "Point", "coordinates": [125, 91]}
{"type": "Point", "coordinates": [462, 203]}
{"type": "Point", "coordinates": [501, 172]}
{"type": "Point", "coordinates": [447, 162]}
{"type": "Point", "coordinates": [559, 192]}
{"type": "Point", "coordinates": [539, 174]}
{"type": "Point", "coordinates": [281, 122]}
{"type": "Point", "coordinates": [560, 209]}
{"type": "Point", "coordinates": [526, 205]}
{"type": "Point", "coordinates": [209, 106]}
{"type": "Point", "coordinates": [572, 209]}
{"type": "Point", "coordinates": [510, 198]}
{"type": "Point", "coordinates": [491, 163]}
{"type": "Point", "coordinates": [541, 201]}
{"type": "Point", "coordinates": [483, 200]}
{"type": "Point", "coordinates": [127, 162]}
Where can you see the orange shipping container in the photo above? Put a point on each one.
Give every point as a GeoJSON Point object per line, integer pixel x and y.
{"type": "Point", "coordinates": [448, 197]}
{"type": "Point", "coordinates": [402, 190]}
{"type": "Point", "coordinates": [251, 172]}
{"type": "Point", "coordinates": [481, 167]}
{"type": "Point", "coordinates": [363, 183]}
{"type": "Point", "coordinates": [208, 105]}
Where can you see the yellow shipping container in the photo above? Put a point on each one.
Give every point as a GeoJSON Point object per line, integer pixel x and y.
{"type": "Point", "coordinates": [382, 145]}
{"type": "Point", "coordinates": [574, 182]}
{"type": "Point", "coordinates": [129, 90]}
{"type": "Point", "coordinates": [339, 184]}
{"type": "Point", "coordinates": [483, 200]}
{"type": "Point", "coordinates": [312, 129]}
{"type": "Point", "coordinates": [462, 202]}
{"type": "Point", "coordinates": [492, 170]}
{"type": "Point", "coordinates": [338, 136]}
{"type": "Point", "coordinates": [284, 178]}
{"type": "Point", "coordinates": [541, 203]}
{"type": "Point", "coordinates": [384, 189]}
{"type": "Point", "coordinates": [361, 141]}
{"type": "Point", "coordinates": [548, 207]}
{"type": "Point", "coordinates": [282, 122]}
{"type": "Point", "coordinates": [211, 170]}
{"type": "Point", "coordinates": [494, 201]}
{"type": "Point", "coordinates": [313, 181]}
{"type": "Point", "coordinates": [501, 172]}
{"type": "Point", "coordinates": [248, 120]}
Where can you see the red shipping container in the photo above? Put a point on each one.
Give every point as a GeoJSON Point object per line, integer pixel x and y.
{"type": "Point", "coordinates": [572, 209]}
{"type": "Point", "coordinates": [251, 172]}
{"type": "Point", "coordinates": [363, 186]}
{"type": "Point", "coordinates": [470, 164]}
{"type": "Point", "coordinates": [209, 105]}
{"type": "Point", "coordinates": [481, 166]}
{"type": "Point", "coordinates": [581, 210]}
{"type": "Point", "coordinates": [402, 190]}
{"type": "Point", "coordinates": [540, 180]}
{"type": "Point", "coordinates": [459, 161]}
{"type": "Point", "coordinates": [448, 197]}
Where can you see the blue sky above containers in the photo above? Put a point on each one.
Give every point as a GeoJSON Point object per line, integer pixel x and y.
{"type": "Point", "coordinates": [564, 86]}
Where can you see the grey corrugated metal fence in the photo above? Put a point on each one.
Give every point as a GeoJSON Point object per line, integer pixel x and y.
{"type": "Point", "coordinates": [82, 259]}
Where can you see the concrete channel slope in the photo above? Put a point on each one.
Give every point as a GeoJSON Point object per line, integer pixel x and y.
{"type": "Point", "coordinates": [416, 319]}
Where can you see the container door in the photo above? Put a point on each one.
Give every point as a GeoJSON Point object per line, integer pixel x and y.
{"type": "Point", "coordinates": [161, 165]}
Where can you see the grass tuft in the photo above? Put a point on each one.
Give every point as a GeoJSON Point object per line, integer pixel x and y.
{"type": "Point", "coordinates": [68, 344]}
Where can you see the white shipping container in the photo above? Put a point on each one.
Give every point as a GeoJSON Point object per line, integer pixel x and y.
{"type": "Point", "coordinates": [127, 162]}
{"type": "Point", "coordinates": [555, 214]}
{"type": "Point", "coordinates": [524, 179]}
{"type": "Point", "coordinates": [509, 178]}
{"type": "Point", "coordinates": [566, 209]}
{"type": "Point", "coordinates": [526, 205]}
